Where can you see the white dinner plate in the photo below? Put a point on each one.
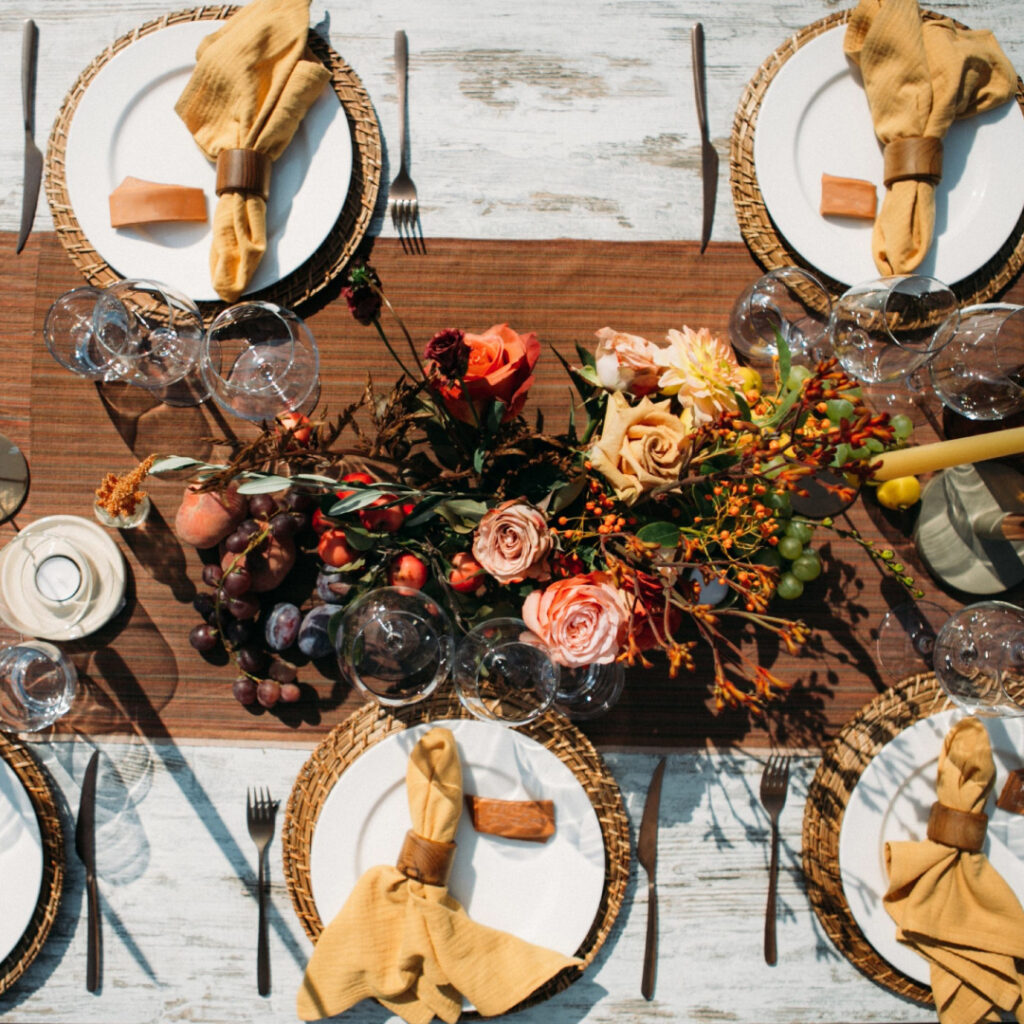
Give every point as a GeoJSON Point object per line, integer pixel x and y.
{"type": "Point", "coordinates": [125, 126]}
{"type": "Point", "coordinates": [106, 565]}
{"type": "Point", "coordinates": [892, 801]}
{"type": "Point", "coordinates": [546, 893]}
{"type": "Point", "coordinates": [814, 119]}
{"type": "Point", "coordinates": [21, 859]}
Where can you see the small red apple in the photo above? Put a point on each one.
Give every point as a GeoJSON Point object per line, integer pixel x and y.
{"type": "Point", "coordinates": [467, 575]}
{"type": "Point", "coordinates": [407, 571]}
{"type": "Point", "coordinates": [299, 425]}
{"type": "Point", "coordinates": [334, 549]}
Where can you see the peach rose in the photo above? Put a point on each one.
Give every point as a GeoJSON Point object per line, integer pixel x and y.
{"type": "Point", "coordinates": [626, 362]}
{"type": "Point", "coordinates": [640, 446]}
{"type": "Point", "coordinates": [500, 369]}
{"type": "Point", "coordinates": [512, 543]}
{"type": "Point", "coordinates": [582, 619]}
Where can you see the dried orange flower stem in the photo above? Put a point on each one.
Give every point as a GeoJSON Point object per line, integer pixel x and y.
{"type": "Point", "coordinates": [119, 495]}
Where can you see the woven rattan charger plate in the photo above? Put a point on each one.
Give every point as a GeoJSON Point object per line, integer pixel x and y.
{"type": "Point", "coordinates": [348, 741]}
{"type": "Point", "coordinates": [338, 247]}
{"type": "Point", "coordinates": [756, 226]}
{"type": "Point", "coordinates": [909, 701]}
{"type": "Point", "coordinates": [40, 793]}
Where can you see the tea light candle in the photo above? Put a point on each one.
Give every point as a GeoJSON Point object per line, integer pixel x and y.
{"type": "Point", "coordinates": [58, 578]}
{"type": "Point", "coordinates": [927, 458]}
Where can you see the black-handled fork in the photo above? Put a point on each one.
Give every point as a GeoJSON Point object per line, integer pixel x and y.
{"type": "Point", "coordinates": [260, 812]}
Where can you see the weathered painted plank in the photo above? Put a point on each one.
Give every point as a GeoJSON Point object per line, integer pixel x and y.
{"type": "Point", "coordinates": [528, 120]}
{"type": "Point", "coordinates": [179, 916]}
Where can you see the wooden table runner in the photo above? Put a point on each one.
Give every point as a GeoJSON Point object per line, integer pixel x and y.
{"type": "Point", "coordinates": [140, 674]}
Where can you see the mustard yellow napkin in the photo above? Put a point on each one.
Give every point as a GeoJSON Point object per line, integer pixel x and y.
{"type": "Point", "coordinates": [952, 906]}
{"type": "Point", "coordinates": [411, 945]}
{"type": "Point", "coordinates": [253, 83]}
{"type": "Point", "coordinates": [919, 77]}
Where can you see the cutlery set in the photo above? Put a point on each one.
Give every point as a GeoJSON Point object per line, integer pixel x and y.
{"type": "Point", "coordinates": [260, 812]}
{"type": "Point", "coordinates": [774, 787]}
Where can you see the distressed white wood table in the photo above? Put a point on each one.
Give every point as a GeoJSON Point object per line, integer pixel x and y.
{"type": "Point", "coordinates": [177, 877]}
{"type": "Point", "coordinates": [529, 119]}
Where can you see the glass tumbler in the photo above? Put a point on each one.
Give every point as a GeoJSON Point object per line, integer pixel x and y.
{"type": "Point", "coordinates": [504, 673]}
{"type": "Point", "coordinates": [37, 685]}
{"type": "Point", "coordinates": [260, 360]}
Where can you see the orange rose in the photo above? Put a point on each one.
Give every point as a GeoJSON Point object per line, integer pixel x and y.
{"type": "Point", "coordinates": [582, 620]}
{"type": "Point", "coordinates": [500, 369]}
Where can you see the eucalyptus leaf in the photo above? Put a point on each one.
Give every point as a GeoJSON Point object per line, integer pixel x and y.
{"type": "Point", "coordinates": [264, 484]}
{"type": "Point", "coordinates": [663, 534]}
{"type": "Point", "coordinates": [170, 463]}
{"type": "Point", "coordinates": [355, 501]}
{"type": "Point", "coordinates": [358, 538]}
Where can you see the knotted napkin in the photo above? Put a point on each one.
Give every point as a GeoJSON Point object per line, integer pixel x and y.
{"type": "Point", "coordinates": [949, 903]}
{"type": "Point", "coordinates": [253, 83]}
{"type": "Point", "coordinates": [407, 942]}
{"type": "Point", "coordinates": [919, 77]}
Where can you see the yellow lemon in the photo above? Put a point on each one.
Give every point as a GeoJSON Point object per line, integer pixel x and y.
{"type": "Point", "coordinates": [751, 380]}
{"type": "Point", "coordinates": [900, 493]}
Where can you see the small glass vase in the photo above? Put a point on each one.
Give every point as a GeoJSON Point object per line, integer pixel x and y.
{"type": "Point", "coordinates": [124, 522]}
{"type": "Point", "coordinates": [589, 691]}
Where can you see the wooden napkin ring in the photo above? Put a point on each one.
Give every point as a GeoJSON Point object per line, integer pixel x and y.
{"type": "Point", "coordinates": [531, 820]}
{"type": "Point", "coordinates": [425, 860]}
{"type": "Point", "coordinates": [243, 170]}
{"type": "Point", "coordinates": [1012, 797]}
{"type": "Point", "coordinates": [964, 830]}
{"type": "Point", "coordinates": [918, 158]}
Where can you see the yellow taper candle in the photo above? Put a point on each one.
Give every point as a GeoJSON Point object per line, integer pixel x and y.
{"type": "Point", "coordinates": [927, 458]}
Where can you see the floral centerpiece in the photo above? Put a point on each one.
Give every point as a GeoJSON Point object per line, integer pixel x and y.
{"type": "Point", "coordinates": [660, 517]}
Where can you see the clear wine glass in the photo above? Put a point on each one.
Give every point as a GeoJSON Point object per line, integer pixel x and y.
{"type": "Point", "coordinates": [787, 301]}
{"type": "Point", "coordinates": [395, 644]}
{"type": "Point", "coordinates": [504, 673]}
{"type": "Point", "coordinates": [979, 658]}
{"type": "Point", "coordinates": [885, 330]}
{"type": "Point", "coordinates": [589, 690]}
{"type": "Point", "coordinates": [980, 372]}
{"type": "Point", "coordinates": [260, 360]}
{"type": "Point", "coordinates": [906, 637]}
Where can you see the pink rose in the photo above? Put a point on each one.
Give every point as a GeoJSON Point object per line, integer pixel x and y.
{"type": "Point", "coordinates": [512, 543]}
{"type": "Point", "coordinates": [626, 362]}
{"type": "Point", "coordinates": [582, 619]}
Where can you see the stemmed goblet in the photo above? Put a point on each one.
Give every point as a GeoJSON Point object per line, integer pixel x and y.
{"type": "Point", "coordinates": [260, 360]}
{"type": "Point", "coordinates": [886, 329]}
{"type": "Point", "coordinates": [979, 658]}
{"type": "Point", "coordinates": [789, 302]}
{"type": "Point", "coordinates": [504, 673]}
{"type": "Point", "coordinates": [395, 644]}
{"type": "Point", "coordinates": [978, 374]}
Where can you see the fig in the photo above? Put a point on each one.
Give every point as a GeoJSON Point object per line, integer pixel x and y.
{"type": "Point", "coordinates": [267, 567]}
{"type": "Point", "coordinates": [205, 518]}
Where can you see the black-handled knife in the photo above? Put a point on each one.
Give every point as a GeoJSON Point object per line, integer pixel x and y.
{"type": "Point", "coordinates": [85, 847]}
{"type": "Point", "coordinates": [708, 154]}
{"type": "Point", "coordinates": [33, 167]}
{"type": "Point", "coordinates": [647, 854]}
